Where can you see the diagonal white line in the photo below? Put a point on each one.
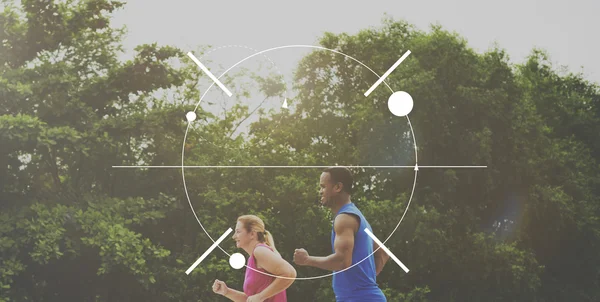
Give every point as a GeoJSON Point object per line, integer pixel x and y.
{"type": "Point", "coordinates": [209, 73]}
{"type": "Point", "coordinates": [387, 73]}
{"type": "Point", "coordinates": [212, 247]}
{"type": "Point", "coordinates": [386, 250]}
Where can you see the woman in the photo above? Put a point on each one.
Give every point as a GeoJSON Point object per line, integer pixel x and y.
{"type": "Point", "coordinates": [251, 236]}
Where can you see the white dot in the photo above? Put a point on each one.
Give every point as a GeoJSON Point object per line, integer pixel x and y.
{"type": "Point", "coordinates": [237, 260]}
{"type": "Point", "coordinates": [191, 116]}
{"type": "Point", "coordinates": [400, 103]}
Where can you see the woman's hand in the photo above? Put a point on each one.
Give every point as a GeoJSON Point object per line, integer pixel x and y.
{"type": "Point", "coordinates": [255, 298]}
{"type": "Point", "coordinates": [219, 287]}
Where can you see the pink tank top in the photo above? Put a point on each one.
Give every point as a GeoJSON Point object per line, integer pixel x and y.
{"type": "Point", "coordinates": [256, 282]}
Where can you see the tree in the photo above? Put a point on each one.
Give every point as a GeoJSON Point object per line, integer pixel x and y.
{"type": "Point", "coordinates": [71, 227]}
{"type": "Point", "coordinates": [74, 228]}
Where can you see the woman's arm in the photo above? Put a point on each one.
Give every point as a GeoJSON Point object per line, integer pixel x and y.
{"type": "Point", "coordinates": [235, 295]}
{"type": "Point", "coordinates": [275, 265]}
{"type": "Point", "coordinates": [220, 287]}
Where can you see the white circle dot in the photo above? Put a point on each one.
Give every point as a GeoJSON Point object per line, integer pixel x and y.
{"type": "Point", "coordinates": [237, 260]}
{"type": "Point", "coordinates": [400, 103]}
{"type": "Point", "coordinates": [191, 116]}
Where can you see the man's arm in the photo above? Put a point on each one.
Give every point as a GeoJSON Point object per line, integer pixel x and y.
{"type": "Point", "coordinates": [344, 226]}
{"type": "Point", "coordinates": [381, 257]}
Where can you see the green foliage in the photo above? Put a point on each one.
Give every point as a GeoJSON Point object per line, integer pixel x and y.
{"type": "Point", "coordinates": [74, 228]}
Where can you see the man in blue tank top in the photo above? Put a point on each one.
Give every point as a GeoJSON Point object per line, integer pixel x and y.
{"type": "Point", "coordinates": [355, 272]}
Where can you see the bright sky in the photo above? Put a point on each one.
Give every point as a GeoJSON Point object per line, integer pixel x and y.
{"type": "Point", "coordinates": [565, 28]}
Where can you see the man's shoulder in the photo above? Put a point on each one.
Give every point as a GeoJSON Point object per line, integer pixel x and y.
{"type": "Point", "coordinates": [346, 220]}
{"type": "Point", "coordinates": [351, 209]}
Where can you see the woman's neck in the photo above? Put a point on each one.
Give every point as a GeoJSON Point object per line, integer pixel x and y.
{"type": "Point", "coordinates": [251, 246]}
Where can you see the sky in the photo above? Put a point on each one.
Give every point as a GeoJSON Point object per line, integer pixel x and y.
{"type": "Point", "coordinates": [564, 28]}
{"type": "Point", "coordinates": [238, 29]}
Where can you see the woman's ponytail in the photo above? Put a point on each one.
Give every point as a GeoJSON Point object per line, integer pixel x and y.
{"type": "Point", "coordinates": [269, 240]}
{"type": "Point", "coordinates": [253, 223]}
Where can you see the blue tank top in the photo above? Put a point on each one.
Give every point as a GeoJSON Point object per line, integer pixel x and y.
{"type": "Point", "coordinates": [359, 282]}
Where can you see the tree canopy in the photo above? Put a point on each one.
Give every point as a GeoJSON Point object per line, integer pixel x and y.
{"type": "Point", "coordinates": [72, 228]}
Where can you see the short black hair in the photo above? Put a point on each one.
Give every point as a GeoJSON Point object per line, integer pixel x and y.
{"type": "Point", "coordinates": [343, 175]}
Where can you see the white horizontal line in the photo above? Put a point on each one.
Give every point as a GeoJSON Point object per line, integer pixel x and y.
{"type": "Point", "coordinates": [386, 250]}
{"type": "Point", "coordinates": [295, 167]}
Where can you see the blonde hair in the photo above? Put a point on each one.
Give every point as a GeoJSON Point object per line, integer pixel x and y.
{"type": "Point", "coordinates": [254, 223]}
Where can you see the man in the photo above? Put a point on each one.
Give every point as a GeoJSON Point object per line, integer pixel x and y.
{"type": "Point", "coordinates": [350, 243]}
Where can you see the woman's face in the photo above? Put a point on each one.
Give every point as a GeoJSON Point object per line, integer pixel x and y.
{"type": "Point", "coordinates": [241, 236]}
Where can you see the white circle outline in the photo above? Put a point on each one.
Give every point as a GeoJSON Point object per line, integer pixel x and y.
{"type": "Point", "coordinates": [196, 108]}
{"type": "Point", "coordinates": [249, 48]}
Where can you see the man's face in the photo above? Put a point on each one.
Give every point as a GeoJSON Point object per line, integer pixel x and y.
{"type": "Point", "coordinates": [329, 190]}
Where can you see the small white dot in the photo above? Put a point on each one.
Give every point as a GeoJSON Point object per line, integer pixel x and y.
{"type": "Point", "coordinates": [237, 260]}
{"type": "Point", "coordinates": [191, 116]}
{"type": "Point", "coordinates": [400, 103]}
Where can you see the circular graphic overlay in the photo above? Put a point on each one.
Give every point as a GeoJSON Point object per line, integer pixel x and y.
{"type": "Point", "coordinates": [402, 99]}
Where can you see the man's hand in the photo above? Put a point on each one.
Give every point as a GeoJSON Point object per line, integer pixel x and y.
{"type": "Point", "coordinates": [255, 298]}
{"type": "Point", "coordinates": [301, 257]}
{"type": "Point", "coordinates": [345, 226]}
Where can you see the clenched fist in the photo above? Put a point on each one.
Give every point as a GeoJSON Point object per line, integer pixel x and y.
{"type": "Point", "coordinates": [301, 257]}
{"type": "Point", "coordinates": [219, 287]}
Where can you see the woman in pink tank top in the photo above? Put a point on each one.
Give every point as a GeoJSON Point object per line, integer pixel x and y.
{"type": "Point", "coordinates": [267, 274]}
